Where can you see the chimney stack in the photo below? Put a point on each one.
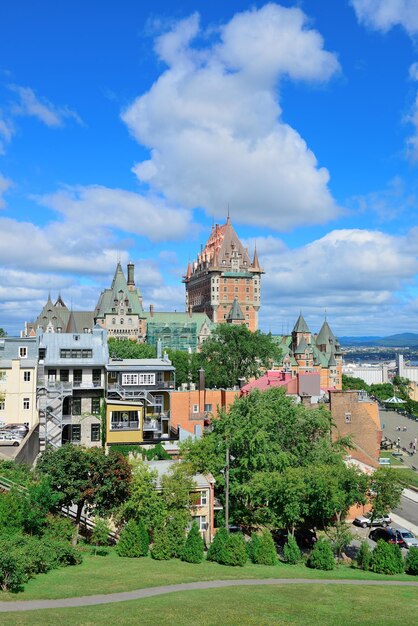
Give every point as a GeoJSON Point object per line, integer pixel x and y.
{"type": "Point", "coordinates": [151, 310]}
{"type": "Point", "coordinates": [131, 276]}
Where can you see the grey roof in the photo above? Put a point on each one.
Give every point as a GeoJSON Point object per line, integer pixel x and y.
{"type": "Point", "coordinates": [235, 313]}
{"type": "Point", "coordinates": [301, 326]}
{"type": "Point", "coordinates": [59, 316]}
{"type": "Point", "coordinates": [302, 347]}
{"type": "Point", "coordinates": [324, 335]}
{"type": "Point", "coordinates": [164, 467]}
{"type": "Point", "coordinates": [332, 362]}
{"type": "Point", "coordinates": [118, 365]}
{"type": "Point", "coordinates": [54, 342]}
{"type": "Point", "coordinates": [9, 350]}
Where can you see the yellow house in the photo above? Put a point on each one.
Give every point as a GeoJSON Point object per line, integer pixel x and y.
{"type": "Point", "coordinates": [138, 400]}
{"type": "Point", "coordinates": [18, 369]}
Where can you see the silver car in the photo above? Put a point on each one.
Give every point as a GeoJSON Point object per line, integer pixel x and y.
{"type": "Point", "coordinates": [9, 440]}
{"type": "Point", "coordinates": [409, 538]}
{"type": "Point", "coordinates": [365, 520]}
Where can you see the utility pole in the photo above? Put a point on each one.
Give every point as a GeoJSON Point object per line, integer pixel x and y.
{"type": "Point", "coordinates": [227, 488]}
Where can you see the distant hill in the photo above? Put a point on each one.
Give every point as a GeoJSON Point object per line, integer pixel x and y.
{"type": "Point", "coordinates": [400, 340]}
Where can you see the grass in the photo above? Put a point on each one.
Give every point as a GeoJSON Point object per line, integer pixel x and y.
{"type": "Point", "coordinates": [315, 605]}
{"type": "Point", "coordinates": [112, 574]}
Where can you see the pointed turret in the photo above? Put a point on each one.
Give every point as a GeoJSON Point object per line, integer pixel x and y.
{"type": "Point", "coordinates": [235, 314]}
{"type": "Point", "coordinates": [256, 264]}
{"type": "Point", "coordinates": [301, 326]}
{"type": "Point", "coordinates": [71, 325]}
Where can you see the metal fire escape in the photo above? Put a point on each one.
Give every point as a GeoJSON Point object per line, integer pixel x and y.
{"type": "Point", "coordinates": [50, 398]}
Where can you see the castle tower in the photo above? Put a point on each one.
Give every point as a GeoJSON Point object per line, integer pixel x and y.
{"type": "Point", "coordinates": [222, 273]}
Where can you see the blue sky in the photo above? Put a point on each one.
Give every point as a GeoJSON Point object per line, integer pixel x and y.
{"type": "Point", "coordinates": [126, 130]}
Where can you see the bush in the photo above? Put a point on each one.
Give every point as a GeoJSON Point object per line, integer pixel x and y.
{"type": "Point", "coordinates": [291, 551]}
{"type": "Point", "coordinates": [176, 531]}
{"type": "Point", "coordinates": [321, 556]}
{"type": "Point", "coordinates": [65, 553]}
{"type": "Point", "coordinates": [235, 552]}
{"type": "Point", "coordinates": [217, 547]}
{"type": "Point", "coordinates": [266, 552]}
{"type": "Point", "coordinates": [364, 556]}
{"type": "Point", "coordinates": [100, 534]}
{"type": "Point", "coordinates": [58, 527]}
{"type": "Point", "coordinates": [411, 562]}
{"type": "Point", "coordinates": [12, 572]}
{"type": "Point", "coordinates": [133, 542]}
{"type": "Point", "coordinates": [385, 559]}
{"type": "Point", "coordinates": [193, 548]}
{"type": "Point", "coordinates": [162, 550]}
{"type": "Point", "coordinates": [252, 548]}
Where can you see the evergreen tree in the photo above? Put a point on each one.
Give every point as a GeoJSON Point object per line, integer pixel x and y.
{"type": "Point", "coordinates": [129, 543]}
{"type": "Point", "coordinates": [266, 553]}
{"type": "Point", "coordinates": [253, 547]}
{"type": "Point", "coordinates": [321, 556]}
{"type": "Point", "coordinates": [100, 533]}
{"type": "Point", "coordinates": [411, 562]}
{"type": "Point", "coordinates": [162, 550]}
{"type": "Point", "coordinates": [291, 551]}
{"type": "Point", "coordinates": [193, 548]}
{"type": "Point", "coordinates": [235, 551]}
{"type": "Point", "coordinates": [385, 560]}
{"type": "Point", "coordinates": [143, 538]}
{"type": "Point", "coordinates": [217, 547]}
{"type": "Point", "coordinates": [364, 556]}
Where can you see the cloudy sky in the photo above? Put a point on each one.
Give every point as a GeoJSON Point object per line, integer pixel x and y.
{"type": "Point", "coordinates": [126, 130]}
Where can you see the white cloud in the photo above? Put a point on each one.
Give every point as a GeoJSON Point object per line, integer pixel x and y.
{"type": "Point", "coordinates": [6, 133]}
{"type": "Point", "coordinates": [354, 274]}
{"type": "Point", "coordinates": [48, 113]}
{"type": "Point", "coordinates": [213, 120]}
{"type": "Point", "coordinates": [384, 14]}
{"type": "Point", "coordinates": [5, 184]}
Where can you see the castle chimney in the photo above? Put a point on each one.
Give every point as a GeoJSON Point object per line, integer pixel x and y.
{"type": "Point", "coordinates": [151, 310]}
{"type": "Point", "coordinates": [131, 276]}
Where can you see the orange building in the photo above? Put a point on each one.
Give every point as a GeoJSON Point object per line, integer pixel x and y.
{"type": "Point", "coordinates": [223, 282]}
{"type": "Point", "coordinates": [192, 410]}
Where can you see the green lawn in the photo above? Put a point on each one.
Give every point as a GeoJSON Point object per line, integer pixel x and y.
{"type": "Point", "coordinates": [111, 574]}
{"type": "Point", "coordinates": [244, 606]}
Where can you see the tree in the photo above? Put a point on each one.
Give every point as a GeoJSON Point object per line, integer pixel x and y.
{"type": "Point", "coordinates": [100, 533]}
{"type": "Point", "coordinates": [39, 500]}
{"type": "Point", "coordinates": [234, 352]}
{"type": "Point", "coordinates": [217, 547]}
{"type": "Point", "coordinates": [385, 559]}
{"type": "Point", "coordinates": [162, 550]}
{"type": "Point", "coordinates": [411, 562]}
{"type": "Point", "coordinates": [385, 491]}
{"type": "Point", "coordinates": [133, 541]}
{"type": "Point", "coordinates": [3, 332]}
{"type": "Point", "coordinates": [235, 552]}
{"type": "Point", "coordinates": [364, 556]}
{"type": "Point", "coordinates": [266, 551]}
{"type": "Point", "coordinates": [86, 478]}
{"type": "Point", "coordinates": [341, 537]}
{"type": "Point", "coordinates": [353, 383]}
{"type": "Point", "coordinates": [128, 349]}
{"type": "Point", "coordinates": [321, 556]}
{"type": "Point", "coordinates": [193, 548]}
{"type": "Point", "coordinates": [272, 442]}
{"type": "Point", "coordinates": [145, 502]}
{"type": "Point", "coordinates": [291, 551]}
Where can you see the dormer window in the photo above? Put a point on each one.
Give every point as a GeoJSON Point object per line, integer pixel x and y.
{"type": "Point", "coordinates": [23, 352]}
{"type": "Point", "coordinates": [76, 337]}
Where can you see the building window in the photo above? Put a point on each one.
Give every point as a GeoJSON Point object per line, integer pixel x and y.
{"type": "Point", "coordinates": [23, 352]}
{"type": "Point", "coordinates": [76, 406]}
{"type": "Point", "coordinates": [160, 375]}
{"type": "Point", "coordinates": [97, 377]}
{"type": "Point", "coordinates": [64, 376]}
{"type": "Point", "coordinates": [95, 432]}
{"type": "Point", "coordinates": [26, 404]}
{"type": "Point", "coordinates": [113, 375]}
{"type": "Point", "coordinates": [225, 288]}
{"type": "Point", "coordinates": [201, 522]}
{"type": "Point", "coordinates": [121, 320]}
{"type": "Point", "coordinates": [77, 377]}
{"type": "Point", "coordinates": [76, 354]}
{"type": "Point", "coordinates": [199, 498]}
{"type": "Point", "coordinates": [59, 329]}
{"type": "Point", "coordinates": [195, 408]}
{"type": "Point", "coordinates": [208, 408]}
{"type": "Point", "coordinates": [138, 379]}
{"type": "Point", "coordinates": [75, 433]}
{"type": "Point", "coordinates": [95, 406]}
{"type": "Point", "coordinates": [26, 377]}
{"type": "Point", "coordinates": [113, 320]}
{"type": "Point", "coordinates": [124, 420]}
{"type": "Point", "coordinates": [347, 418]}
{"type": "Point", "coordinates": [2, 377]}
{"type": "Point", "coordinates": [2, 405]}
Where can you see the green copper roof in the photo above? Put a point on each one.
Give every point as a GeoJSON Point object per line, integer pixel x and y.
{"type": "Point", "coordinates": [301, 326]}
{"type": "Point", "coordinates": [235, 313]}
{"type": "Point", "coordinates": [324, 335]}
{"type": "Point", "coordinates": [119, 290]}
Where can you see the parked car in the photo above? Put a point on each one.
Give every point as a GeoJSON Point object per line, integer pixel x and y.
{"type": "Point", "coordinates": [365, 520]}
{"type": "Point", "coordinates": [408, 537]}
{"type": "Point", "coordinates": [305, 537]}
{"type": "Point", "coordinates": [389, 535]}
{"type": "Point", "coordinates": [9, 440]}
{"type": "Point", "coordinates": [20, 430]}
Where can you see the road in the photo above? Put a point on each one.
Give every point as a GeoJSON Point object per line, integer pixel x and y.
{"type": "Point", "coordinates": [408, 510]}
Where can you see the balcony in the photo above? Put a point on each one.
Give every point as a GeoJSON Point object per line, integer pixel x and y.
{"type": "Point", "coordinates": [59, 385]}
{"type": "Point", "coordinates": [123, 426]}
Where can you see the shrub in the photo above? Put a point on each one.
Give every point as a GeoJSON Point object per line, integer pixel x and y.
{"type": "Point", "coordinates": [235, 552]}
{"type": "Point", "coordinates": [266, 552]}
{"type": "Point", "coordinates": [364, 556]}
{"type": "Point", "coordinates": [162, 550]}
{"type": "Point", "coordinates": [291, 551]}
{"type": "Point", "coordinates": [12, 572]}
{"type": "Point", "coordinates": [321, 556]}
{"type": "Point", "coordinates": [193, 548]}
{"type": "Point", "coordinates": [100, 533]}
{"type": "Point", "coordinates": [58, 527]}
{"type": "Point", "coordinates": [217, 547]}
{"type": "Point", "coordinates": [176, 531]}
{"type": "Point", "coordinates": [253, 547]}
{"type": "Point", "coordinates": [385, 560]}
{"type": "Point", "coordinates": [65, 553]}
{"type": "Point", "coordinates": [400, 565]}
{"type": "Point", "coordinates": [132, 541]}
{"type": "Point", "coordinates": [411, 562]}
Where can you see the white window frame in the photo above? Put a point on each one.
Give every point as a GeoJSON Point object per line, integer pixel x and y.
{"type": "Point", "coordinates": [347, 417]}
{"type": "Point", "coordinates": [26, 404]}
{"type": "Point", "coordinates": [201, 521]}
{"type": "Point", "coordinates": [195, 408]}
{"type": "Point", "coordinates": [138, 379]}
{"type": "Point", "coordinates": [23, 352]}
{"type": "Point", "coordinates": [2, 405]}
{"type": "Point", "coordinates": [26, 376]}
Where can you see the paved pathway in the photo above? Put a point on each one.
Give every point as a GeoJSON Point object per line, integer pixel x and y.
{"type": "Point", "coordinates": [30, 605]}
